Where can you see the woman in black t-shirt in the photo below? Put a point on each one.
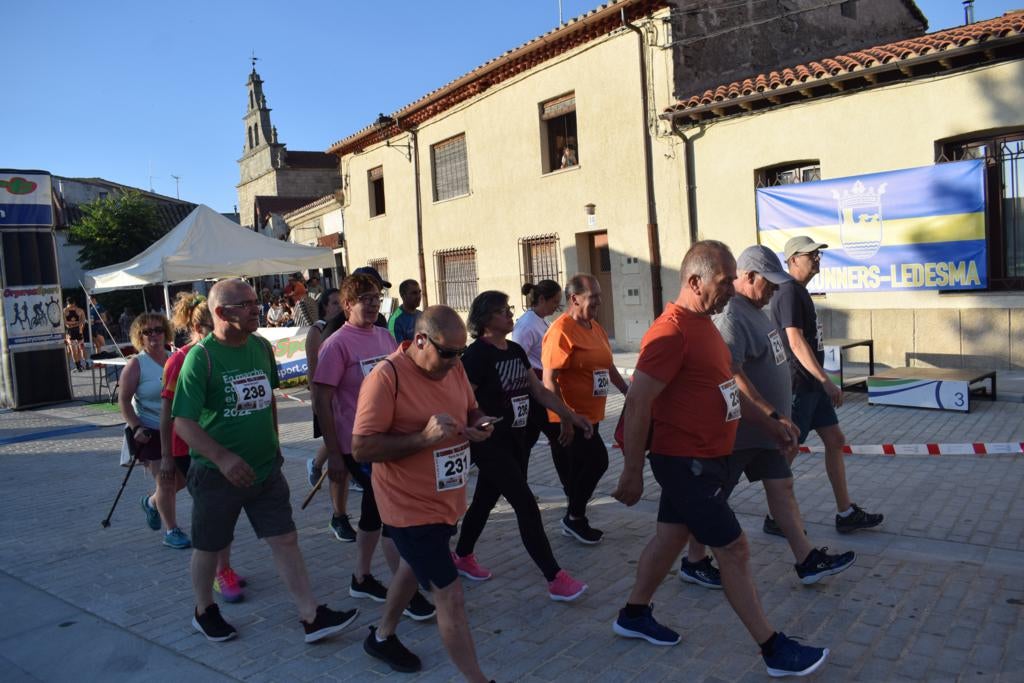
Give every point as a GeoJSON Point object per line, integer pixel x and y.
{"type": "Point", "coordinates": [503, 382]}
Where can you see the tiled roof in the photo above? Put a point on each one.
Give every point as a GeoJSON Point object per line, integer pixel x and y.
{"type": "Point", "coordinates": [940, 49]}
{"type": "Point", "coordinates": [572, 34]}
{"type": "Point", "coordinates": [266, 205]}
{"type": "Point", "coordinates": [310, 160]}
{"type": "Point", "coordinates": [169, 210]}
{"type": "Point", "coordinates": [318, 202]}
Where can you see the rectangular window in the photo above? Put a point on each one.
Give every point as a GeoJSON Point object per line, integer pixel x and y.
{"type": "Point", "coordinates": [375, 181]}
{"type": "Point", "coordinates": [456, 277]}
{"type": "Point", "coordinates": [539, 259]}
{"type": "Point", "coordinates": [788, 174]}
{"type": "Point", "coordinates": [381, 266]}
{"type": "Point", "coordinates": [1004, 200]}
{"type": "Point", "coordinates": [558, 133]}
{"type": "Point", "coordinates": [449, 168]}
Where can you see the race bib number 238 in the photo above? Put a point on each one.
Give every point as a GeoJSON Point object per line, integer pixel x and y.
{"type": "Point", "coordinates": [252, 393]}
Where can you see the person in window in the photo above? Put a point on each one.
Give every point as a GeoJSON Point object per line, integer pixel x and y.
{"type": "Point", "coordinates": [569, 157]}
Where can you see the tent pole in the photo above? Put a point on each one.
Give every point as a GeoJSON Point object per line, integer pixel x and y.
{"type": "Point", "coordinates": [167, 301]}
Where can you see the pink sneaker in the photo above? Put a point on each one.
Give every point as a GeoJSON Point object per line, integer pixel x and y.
{"type": "Point", "coordinates": [241, 581]}
{"type": "Point", "coordinates": [226, 583]}
{"type": "Point", "coordinates": [565, 588]}
{"type": "Point", "coordinates": [469, 568]}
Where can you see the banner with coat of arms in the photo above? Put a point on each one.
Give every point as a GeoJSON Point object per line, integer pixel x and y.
{"type": "Point", "coordinates": [912, 229]}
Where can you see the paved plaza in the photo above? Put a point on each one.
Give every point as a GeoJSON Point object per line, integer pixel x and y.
{"type": "Point", "coordinates": [937, 593]}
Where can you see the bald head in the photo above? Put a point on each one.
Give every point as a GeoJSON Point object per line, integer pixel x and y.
{"type": "Point", "coordinates": [440, 322]}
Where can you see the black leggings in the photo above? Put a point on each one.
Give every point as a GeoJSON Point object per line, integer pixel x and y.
{"type": "Point", "coordinates": [501, 463]}
{"type": "Point", "coordinates": [369, 516]}
{"type": "Point", "coordinates": [579, 467]}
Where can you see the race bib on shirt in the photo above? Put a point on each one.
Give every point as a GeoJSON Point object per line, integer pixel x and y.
{"type": "Point", "coordinates": [602, 383]}
{"type": "Point", "coordinates": [731, 394]}
{"type": "Point", "coordinates": [520, 410]}
{"type": "Point", "coordinates": [777, 350]}
{"type": "Point", "coordinates": [821, 336]}
{"type": "Point", "coordinates": [252, 392]}
{"type": "Point", "coordinates": [451, 467]}
{"type": "Point", "coordinates": [368, 364]}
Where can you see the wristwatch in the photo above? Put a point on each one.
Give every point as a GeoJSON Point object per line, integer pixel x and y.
{"type": "Point", "coordinates": [775, 415]}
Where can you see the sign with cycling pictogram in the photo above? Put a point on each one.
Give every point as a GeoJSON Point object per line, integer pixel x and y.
{"type": "Point", "coordinates": [32, 315]}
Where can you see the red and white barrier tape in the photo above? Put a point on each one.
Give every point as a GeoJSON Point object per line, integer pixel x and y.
{"type": "Point", "coordinates": [293, 398]}
{"type": "Point", "coordinates": [1015, 448]}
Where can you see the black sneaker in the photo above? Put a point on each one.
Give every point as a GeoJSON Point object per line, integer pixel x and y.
{"type": "Point", "coordinates": [328, 622]}
{"type": "Point", "coordinates": [820, 564]}
{"type": "Point", "coordinates": [790, 658]}
{"type": "Point", "coordinates": [369, 587]}
{"type": "Point", "coordinates": [397, 656]}
{"type": "Point", "coordinates": [419, 608]}
{"type": "Point", "coordinates": [858, 519]}
{"type": "Point", "coordinates": [212, 625]}
{"type": "Point", "coordinates": [702, 573]}
{"type": "Point", "coordinates": [770, 527]}
{"type": "Point", "coordinates": [581, 530]}
{"type": "Point", "coordinates": [342, 529]}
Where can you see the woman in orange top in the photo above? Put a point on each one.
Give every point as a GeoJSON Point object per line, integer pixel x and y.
{"type": "Point", "coordinates": [578, 367]}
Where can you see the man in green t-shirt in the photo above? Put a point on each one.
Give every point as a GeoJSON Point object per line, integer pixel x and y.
{"type": "Point", "coordinates": [224, 409]}
{"type": "Point", "coordinates": [402, 322]}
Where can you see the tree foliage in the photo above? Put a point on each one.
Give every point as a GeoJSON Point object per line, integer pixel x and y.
{"type": "Point", "coordinates": [115, 228]}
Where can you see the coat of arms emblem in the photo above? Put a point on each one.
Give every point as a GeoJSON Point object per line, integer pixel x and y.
{"type": "Point", "coordinates": [860, 219]}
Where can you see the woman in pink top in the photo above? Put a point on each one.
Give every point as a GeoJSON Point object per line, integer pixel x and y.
{"type": "Point", "coordinates": [344, 359]}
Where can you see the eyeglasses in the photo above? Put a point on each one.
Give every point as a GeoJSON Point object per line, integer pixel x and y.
{"type": "Point", "coordinates": [152, 331]}
{"type": "Point", "coordinates": [252, 303]}
{"type": "Point", "coordinates": [369, 299]}
{"type": "Point", "coordinates": [447, 353]}
{"type": "Point", "coordinates": [813, 255]}
{"type": "Point", "coordinates": [507, 310]}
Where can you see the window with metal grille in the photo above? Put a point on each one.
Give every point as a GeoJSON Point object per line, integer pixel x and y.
{"type": "Point", "coordinates": [539, 259]}
{"type": "Point", "coordinates": [1004, 202]}
{"type": "Point", "coordinates": [381, 266]}
{"type": "Point", "coordinates": [449, 168]}
{"type": "Point", "coordinates": [375, 181]}
{"type": "Point", "coordinates": [788, 174]}
{"type": "Point", "coordinates": [456, 277]}
{"type": "Point", "coordinates": [559, 145]}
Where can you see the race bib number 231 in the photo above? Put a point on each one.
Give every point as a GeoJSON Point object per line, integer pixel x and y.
{"type": "Point", "coordinates": [451, 466]}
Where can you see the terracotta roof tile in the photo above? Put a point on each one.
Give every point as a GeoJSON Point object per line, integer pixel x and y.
{"type": "Point", "coordinates": [1010, 24]}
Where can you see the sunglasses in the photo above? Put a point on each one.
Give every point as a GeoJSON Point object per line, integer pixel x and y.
{"type": "Point", "coordinates": [152, 331]}
{"type": "Point", "coordinates": [447, 353]}
{"type": "Point", "coordinates": [243, 304]}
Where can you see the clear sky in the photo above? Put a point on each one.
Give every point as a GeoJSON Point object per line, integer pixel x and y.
{"type": "Point", "coordinates": [136, 92]}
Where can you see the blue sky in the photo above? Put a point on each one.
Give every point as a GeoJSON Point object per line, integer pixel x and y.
{"type": "Point", "coordinates": [130, 91]}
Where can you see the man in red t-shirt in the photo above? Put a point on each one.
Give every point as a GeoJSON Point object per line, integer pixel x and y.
{"type": "Point", "coordinates": [684, 386]}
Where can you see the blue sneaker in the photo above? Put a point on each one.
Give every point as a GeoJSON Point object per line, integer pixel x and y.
{"type": "Point", "coordinates": [176, 538]}
{"type": "Point", "coordinates": [152, 516]}
{"type": "Point", "coordinates": [702, 573]}
{"type": "Point", "coordinates": [645, 627]}
{"type": "Point", "coordinates": [790, 658]}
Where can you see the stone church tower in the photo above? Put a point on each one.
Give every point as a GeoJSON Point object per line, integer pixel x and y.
{"type": "Point", "coordinates": [273, 179]}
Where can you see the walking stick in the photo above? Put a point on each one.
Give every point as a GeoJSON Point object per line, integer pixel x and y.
{"type": "Point", "coordinates": [131, 465]}
{"type": "Point", "coordinates": [316, 488]}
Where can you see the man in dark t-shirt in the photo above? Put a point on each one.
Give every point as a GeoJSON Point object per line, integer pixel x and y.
{"type": "Point", "coordinates": [815, 397]}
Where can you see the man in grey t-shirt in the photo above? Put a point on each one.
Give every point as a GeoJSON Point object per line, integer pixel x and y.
{"type": "Point", "coordinates": [761, 367]}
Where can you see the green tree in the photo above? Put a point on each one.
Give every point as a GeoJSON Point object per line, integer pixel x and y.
{"type": "Point", "coordinates": [114, 229]}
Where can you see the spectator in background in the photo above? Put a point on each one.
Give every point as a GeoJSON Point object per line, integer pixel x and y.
{"type": "Point", "coordinates": [403, 320]}
{"type": "Point", "coordinates": [278, 315]}
{"type": "Point", "coordinates": [313, 288]}
{"type": "Point", "coordinates": [296, 286]}
{"type": "Point", "coordinates": [124, 321]}
{"type": "Point", "coordinates": [99, 318]}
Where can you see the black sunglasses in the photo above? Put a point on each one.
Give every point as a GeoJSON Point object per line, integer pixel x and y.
{"type": "Point", "coordinates": [446, 353]}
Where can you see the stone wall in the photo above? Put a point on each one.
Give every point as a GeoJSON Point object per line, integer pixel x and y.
{"type": "Point", "coordinates": [719, 42]}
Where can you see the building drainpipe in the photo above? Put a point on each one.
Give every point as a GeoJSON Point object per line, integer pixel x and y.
{"type": "Point", "coordinates": [414, 152]}
{"type": "Point", "coordinates": [690, 167]}
{"type": "Point", "coordinates": [653, 237]}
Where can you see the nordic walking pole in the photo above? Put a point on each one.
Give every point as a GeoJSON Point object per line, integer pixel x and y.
{"type": "Point", "coordinates": [316, 488]}
{"type": "Point", "coordinates": [106, 522]}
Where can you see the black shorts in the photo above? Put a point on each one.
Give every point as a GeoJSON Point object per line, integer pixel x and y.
{"type": "Point", "coordinates": [316, 428]}
{"type": "Point", "coordinates": [762, 463]}
{"type": "Point", "coordinates": [427, 550]}
{"type": "Point", "coordinates": [74, 334]}
{"type": "Point", "coordinates": [813, 410]}
{"type": "Point", "coordinates": [695, 492]}
{"type": "Point", "coordinates": [149, 451]}
{"type": "Point", "coordinates": [183, 463]}
{"type": "Point", "coordinates": [216, 504]}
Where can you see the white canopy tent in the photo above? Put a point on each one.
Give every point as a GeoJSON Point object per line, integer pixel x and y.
{"type": "Point", "coordinates": [206, 245]}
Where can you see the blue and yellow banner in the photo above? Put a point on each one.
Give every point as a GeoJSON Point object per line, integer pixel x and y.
{"type": "Point", "coordinates": [917, 228]}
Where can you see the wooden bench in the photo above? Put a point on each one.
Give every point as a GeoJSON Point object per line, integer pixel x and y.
{"type": "Point", "coordinates": [935, 388]}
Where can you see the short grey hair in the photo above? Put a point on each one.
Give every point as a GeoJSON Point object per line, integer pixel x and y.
{"type": "Point", "coordinates": [704, 259]}
{"type": "Point", "coordinates": [579, 283]}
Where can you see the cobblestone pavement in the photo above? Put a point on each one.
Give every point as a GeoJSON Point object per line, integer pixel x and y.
{"type": "Point", "coordinates": [936, 594]}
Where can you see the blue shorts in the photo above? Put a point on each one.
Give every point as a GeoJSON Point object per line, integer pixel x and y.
{"type": "Point", "coordinates": [813, 410]}
{"type": "Point", "coordinates": [695, 492]}
{"type": "Point", "coordinates": [427, 549]}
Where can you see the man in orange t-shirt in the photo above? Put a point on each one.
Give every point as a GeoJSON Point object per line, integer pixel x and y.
{"type": "Point", "coordinates": [578, 367]}
{"type": "Point", "coordinates": [684, 384]}
{"type": "Point", "coordinates": [415, 417]}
